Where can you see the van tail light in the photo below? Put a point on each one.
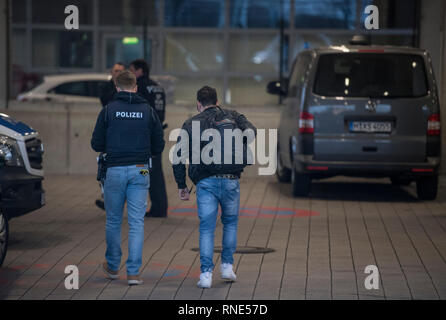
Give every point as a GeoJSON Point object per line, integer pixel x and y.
{"type": "Point", "coordinates": [433, 125]}
{"type": "Point", "coordinates": [306, 122]}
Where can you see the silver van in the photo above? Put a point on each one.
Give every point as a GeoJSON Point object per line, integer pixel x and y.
{"type": "Point", "coordinates": [363, 111]}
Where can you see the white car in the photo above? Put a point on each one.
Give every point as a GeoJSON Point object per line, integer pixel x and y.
{"type": "Point", "coordinates": [81, 88]}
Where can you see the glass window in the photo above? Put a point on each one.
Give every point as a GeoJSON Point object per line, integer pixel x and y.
{"type": "Point", "coordinates": [93, 87]}
{"type": "Point", "coordinates": [76, 49]}
{"type": "Point", "coordinates": [128, 12]}
{"type": "Point", "coordinates": [18, 11]}
{"type": "Point", "coordinates": [256, 53]}
{"type": "Point", "coordinates": [371, 75]}
{"type": "Point", "coordinates": [194, 13]}
{"type": "Point", "coordinates": [393, 14]}
{"type": "Point", "coordinates": [250, 91]}
{"type": "Point", "coordinates": [53, 11]}
{"type": "Point", "coordinates": [75, 88]}
{"type": "Point", "coordinates": [186, 88]}
{"type": "Point", "coordinates": [126, 49]}
{"type": "Point", "coordinates": [259, 13]}
{"type": "Point", "coordinates": [327, 14]}
{"type": "Point", "coordinates": [193, 52]}
{"type": "Point", "coordinates": [19, 52]}
{"type": "Point", "coordinates": [68, 49]}
{"type": "Point", "coordinates": [316, 40]}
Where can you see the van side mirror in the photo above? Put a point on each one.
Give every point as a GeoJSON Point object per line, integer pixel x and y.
{"type": "Point", "coordinates": [277, 87]}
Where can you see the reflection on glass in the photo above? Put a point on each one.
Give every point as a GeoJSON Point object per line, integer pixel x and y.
{"type": "Point", "coordinates": [256, 53]}
{"type": "Point", "coordinates": [126, 49]}
{"type": "Point", "coordinates": [128, 12]}
{"type": "Point", "coordinates": [259, 13]}
{"type": "Point", "coordinates": [193, 52]}
{"type": "Point", "coordinates": [186, 88]}
{"type": "Point", "coordinates": [72, 49]}
{"type": "Point", "coordinates": [338, 14]}
{"type": "Point", "coordinates": [250, 91]}
{"type": "Point", "coordinates": [194, 13]}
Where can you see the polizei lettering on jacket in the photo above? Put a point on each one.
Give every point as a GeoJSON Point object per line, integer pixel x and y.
{"type": "Point", "coordinates": [128, 115]}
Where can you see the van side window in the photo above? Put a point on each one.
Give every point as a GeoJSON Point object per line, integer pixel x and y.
{"type": "Point", "coordinates": [75, 88]}
{"type": "Point", "coordinates": [298, 74]}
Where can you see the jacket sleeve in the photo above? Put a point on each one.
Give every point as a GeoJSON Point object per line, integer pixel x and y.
{"type": "Point", "coordinates": [179, 170]}
{"type": "Point", "coordinates": [99, 133]}
{"type": "Point", "coordinates": [157, 140]}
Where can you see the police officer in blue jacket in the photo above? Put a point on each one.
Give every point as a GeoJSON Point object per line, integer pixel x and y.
{"type": "Point", "coordinates": [129, 132]}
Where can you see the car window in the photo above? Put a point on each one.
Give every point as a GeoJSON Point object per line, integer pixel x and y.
{"type": "Point", "coordinates": [298, 74]}
{"type": "Point", "coordinates": [371, 75]}
{"type": "Point", "coordinates": [75, 88]}
{"type": "Point", "coordinates": [93, 87]}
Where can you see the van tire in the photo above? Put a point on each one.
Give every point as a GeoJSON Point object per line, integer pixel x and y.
{"type": "Point", "coordinates": [301, 184]}
{"type": "Point", "coordinates": [283, 173]}
{"type": "Point", "coordinates": [427, 188]}
{"type": "Point", "coordinates": [4, 236]}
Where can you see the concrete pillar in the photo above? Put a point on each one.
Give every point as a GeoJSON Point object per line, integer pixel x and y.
{"type": "Point", "coordinates": [4, 69]}
{"type": "Point", "coordinates": [433, 38]}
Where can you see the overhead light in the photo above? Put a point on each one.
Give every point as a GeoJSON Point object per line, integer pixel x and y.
{"type": "Point", "coordinates": [130, 40]}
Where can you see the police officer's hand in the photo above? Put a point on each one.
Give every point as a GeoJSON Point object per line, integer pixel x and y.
{"type": "Point", "coordinates": [184, 194]}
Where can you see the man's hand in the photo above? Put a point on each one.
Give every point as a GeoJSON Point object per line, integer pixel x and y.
{"type": "Point", "coordinates": [184, 194]}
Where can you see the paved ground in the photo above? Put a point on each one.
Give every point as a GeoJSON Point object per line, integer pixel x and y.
{"type": "Point", "coordinates": [322, 245]}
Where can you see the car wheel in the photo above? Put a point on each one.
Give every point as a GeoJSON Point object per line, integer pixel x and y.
{"type": "Point", "coordinates": [4, 235]}
{"type": "Point", "coordinates": [427, 188]}
{"type": "Point", "coordinates": [283, 174]}
{"type": "Point", "coordinates": [400, 182]}
{"type": "Point", "coordinates": [301, 184]}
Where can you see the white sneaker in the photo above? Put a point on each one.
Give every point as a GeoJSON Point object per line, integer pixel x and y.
{"type": "Point", "coordinates": [226, 272]}
{"type": "Point", "coordinates": [205, 280]}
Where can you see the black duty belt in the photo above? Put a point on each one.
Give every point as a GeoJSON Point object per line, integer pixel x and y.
{"type": "Point", "coordinates": [226, 176]}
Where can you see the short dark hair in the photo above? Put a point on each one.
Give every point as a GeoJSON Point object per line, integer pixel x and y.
{"type": "Point", "coordinates": [126, 80]}
{"type": "Point", "coordinates": [207, 96]}
{"type": "Point", "coordinates": [141, 64]}
{"type": "Point", "coordinates": [119, 63]}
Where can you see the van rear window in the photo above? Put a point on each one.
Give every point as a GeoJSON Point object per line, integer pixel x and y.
{"type": "Point", "coordinates": [371, 75]}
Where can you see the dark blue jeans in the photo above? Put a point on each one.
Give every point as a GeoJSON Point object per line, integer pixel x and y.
{"type": "Point", "coordinates": [211, 192]}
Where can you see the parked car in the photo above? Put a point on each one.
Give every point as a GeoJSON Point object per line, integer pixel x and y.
{"type": "Point", "coordinates": [21, 174]}
{"type": "Point", "coordinates": [80, 88]}
{"type": "Point", "coordinates": [359, 110]}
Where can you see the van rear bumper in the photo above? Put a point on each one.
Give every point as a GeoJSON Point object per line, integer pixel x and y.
{"type": "Point", "coordinates": [320, 169]}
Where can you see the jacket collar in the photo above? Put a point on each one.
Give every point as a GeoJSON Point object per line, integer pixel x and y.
{"type": "Point", "coordinates": [129, 97]}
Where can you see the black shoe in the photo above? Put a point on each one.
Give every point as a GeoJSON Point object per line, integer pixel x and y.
{"type": "Point", "coordinates": [100, 204]}
{"type": "Point", "coordinates": [149, 214]}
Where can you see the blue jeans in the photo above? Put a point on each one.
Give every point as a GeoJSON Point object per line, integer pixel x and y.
{"type": "Point", "coordinates": [121, 184]}
{"type": "Point", "coordinates": [211, 192]}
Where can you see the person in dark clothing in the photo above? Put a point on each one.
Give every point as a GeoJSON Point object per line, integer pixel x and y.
{"type": "Point", "coordinates": [156, 97]}
{"type": "Point", "coordinates": [108, 89]}
{"type": "Point", "coordinates": [130, 133]}
{"type": "Point", "coordinates": [106, 94]}
{"type": "Point", "coordinates": [217, 183]}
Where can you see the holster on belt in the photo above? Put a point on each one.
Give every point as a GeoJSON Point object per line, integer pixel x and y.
{"type": "Point", "coordinates": [102, 167]}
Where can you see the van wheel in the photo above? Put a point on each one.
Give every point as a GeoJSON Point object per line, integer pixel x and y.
{"type": "Point", "coordinates": [427, 188]}
{"type": "Point", "coordinates": [283, 174]}
{"type": "Point", "coordinates": [301, 184]}
{"type": "Point", "coordinates": [4, 235]}
{"type": "Point", "coordinates": [400, 182]}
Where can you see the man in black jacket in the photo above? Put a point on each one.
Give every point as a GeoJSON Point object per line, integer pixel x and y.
{"type": "Point", "coordinates": [108, 89]}
{"type": "Point", "coordinates": [130, 133]}
{"type": "Point", "coordinates": [155, 96]}
{"type": "Point", "coordinates": [217, 184]}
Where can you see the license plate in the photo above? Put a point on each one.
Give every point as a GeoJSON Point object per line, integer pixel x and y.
{"type": "Point", "coordinates": [370, 126]}
{"type": "Point", "coordinates": [42, 199]}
